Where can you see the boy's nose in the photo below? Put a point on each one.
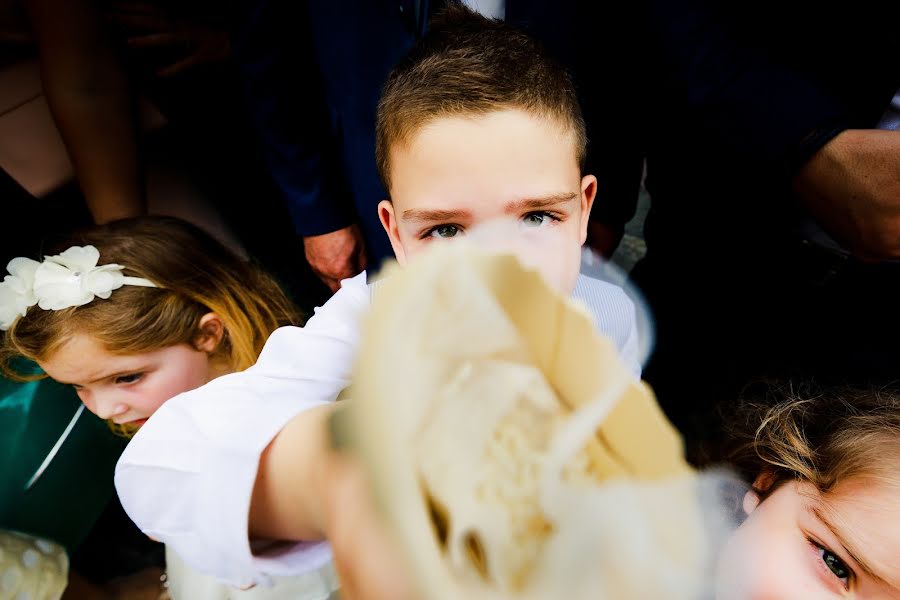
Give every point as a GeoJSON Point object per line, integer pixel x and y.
{"type": "Point", "coordinates": [497, 235]}
{"type": "Point", "coordinates": [507, 236]}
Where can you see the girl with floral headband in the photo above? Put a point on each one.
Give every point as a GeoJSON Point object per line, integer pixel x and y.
{"type": "Point", "coordinates": [135, 312]}
{"type": "Point", "coordinates": [138, 311]}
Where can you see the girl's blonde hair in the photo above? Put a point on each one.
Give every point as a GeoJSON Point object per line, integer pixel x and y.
{"type": "Point", "coordinates": [196, 275]}
{"type": "Point", "coordinates": [822, 436]}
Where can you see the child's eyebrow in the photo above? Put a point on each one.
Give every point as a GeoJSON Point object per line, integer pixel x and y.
{"type": "Point", "coordinates": [115, 374]}
{"type": "Point", "coordinates": [819, 514]}
{"type": "Point", "coordinates": [430, 216]}
{"type": "Point", "coordinates": [541, 203]}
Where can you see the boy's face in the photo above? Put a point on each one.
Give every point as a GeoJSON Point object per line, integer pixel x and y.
{"type": "Point", "coordinates": [512, 172]}
{"type": "Point", "coordinates": [797, 544]}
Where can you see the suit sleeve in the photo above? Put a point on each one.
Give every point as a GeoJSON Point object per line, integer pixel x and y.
{"type": "Point", "coordinates": [286, 101]}
{"type": "Point", "coordinates": [750, 101]}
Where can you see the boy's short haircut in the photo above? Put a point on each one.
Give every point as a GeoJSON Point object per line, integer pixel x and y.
{"type": "Point", "coordinates": [468, 64]}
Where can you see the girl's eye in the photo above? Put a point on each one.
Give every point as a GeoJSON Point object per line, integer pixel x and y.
{"type": "Point", "coordinates": [538, 219]}
{"type": "Point", "coordinates": [834, 564]}
{"type": "Point", "coordinates": [443, 231]}
{"type": "Point", "coordinates": [131, 378]}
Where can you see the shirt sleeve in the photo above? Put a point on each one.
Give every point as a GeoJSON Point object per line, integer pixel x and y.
{"type": "Point", "coordinates": [631, 349]}
{"type": "Point", "coordinates": [187, 477]}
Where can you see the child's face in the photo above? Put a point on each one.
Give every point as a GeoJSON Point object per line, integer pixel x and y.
{"type": "Point", "coordinates": [505, 167]}
{"type": "Point", "coordinates": [795, 544]}
{"type": "Point", "coordinates": [127, 388]}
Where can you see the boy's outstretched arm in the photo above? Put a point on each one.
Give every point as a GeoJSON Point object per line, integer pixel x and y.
{"type": "Point", "coordinates": [306, 490]}
{"type": "Point", "coordinates": [294, 464]}
{"type": "Point", "coordinates": [188, 477]}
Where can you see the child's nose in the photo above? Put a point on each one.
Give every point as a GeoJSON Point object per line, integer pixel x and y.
{"type": "Point", "coordinates": [109, 409]}
{"type": "Point", "coordinates": [503, 236]}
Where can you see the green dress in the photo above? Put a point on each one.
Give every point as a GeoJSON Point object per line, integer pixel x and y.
{"type": "Point", "coordinates": [71, 493]}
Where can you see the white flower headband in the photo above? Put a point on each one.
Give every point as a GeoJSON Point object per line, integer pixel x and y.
{"type": "Point", "coordinates": [62, 281]}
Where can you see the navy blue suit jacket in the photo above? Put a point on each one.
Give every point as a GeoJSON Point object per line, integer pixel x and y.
{"type": "Point", "coordinates": [727, 101]}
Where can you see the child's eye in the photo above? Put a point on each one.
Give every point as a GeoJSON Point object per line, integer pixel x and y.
{"type": "Point", "coordinates": [538, 219]}
{"type": "Point", "coordinates": [834, 564]}
{"type": "Point", "coordinates": [442, 231]}
{"type": "Point", "coordinates": [130, 378]}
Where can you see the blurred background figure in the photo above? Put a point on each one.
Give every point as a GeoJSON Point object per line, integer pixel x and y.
{"type": "Point", "coordinates": [774, 231]}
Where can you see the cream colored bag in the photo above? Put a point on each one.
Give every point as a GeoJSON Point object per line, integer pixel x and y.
{"type": "Point", "coordinates": [510, 448]}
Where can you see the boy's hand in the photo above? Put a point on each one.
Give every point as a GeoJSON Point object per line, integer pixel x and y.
{"type": "Point", "coordinates": [337, 255]}
{"type": "Point", "coordinates": [366, 557]}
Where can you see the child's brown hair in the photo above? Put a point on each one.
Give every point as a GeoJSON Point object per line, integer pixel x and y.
{"type": "Point", "coordinates": [469, 65]}
{"type": "Point", "coordinates": [817, 435]}
{"type": "Point", "coordinates": [195, 275]}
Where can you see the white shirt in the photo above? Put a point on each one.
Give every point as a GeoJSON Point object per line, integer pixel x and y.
{"type": "Point", "coordinates": [495, 9]}
{"type": "Point", "coordinates": [187, 476]}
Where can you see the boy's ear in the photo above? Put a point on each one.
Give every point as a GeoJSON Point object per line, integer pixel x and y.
{"type": "Point", "coordinates": [210, 332]}
{"type": "Point", "coordinates": [588, 193]}
{"type": "Point", "coordinates": [391, 227]}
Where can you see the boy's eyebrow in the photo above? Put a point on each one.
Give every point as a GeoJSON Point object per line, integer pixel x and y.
{"type": "Point", "coordinates": [424, 214]}
{"type": "Point", "coordinates": [541, 203]}
{"type": "Point", "coordinates": [857, 557]}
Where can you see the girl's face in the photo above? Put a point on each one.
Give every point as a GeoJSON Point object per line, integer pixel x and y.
{"type": "Point", "coordinates": [799, 544]}
{"type": "Point", "coordinates": [127, 388]}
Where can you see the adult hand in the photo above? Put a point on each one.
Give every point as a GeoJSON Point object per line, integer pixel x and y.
{"type": "Point", "coordinates": [852, 188]}
{"type": "Point", "coordinates": [337, 255]}
{"type": "Point", "coordinates": [366, 557]}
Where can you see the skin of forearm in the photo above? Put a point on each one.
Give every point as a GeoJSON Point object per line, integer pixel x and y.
{"type": "Point", "coordinates": [293, 482]}
{"type": "Point", "coordinates": [852, 187]}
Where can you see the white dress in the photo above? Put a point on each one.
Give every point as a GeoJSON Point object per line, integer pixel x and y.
{"type": "Point", "coordinates": [186, 478]}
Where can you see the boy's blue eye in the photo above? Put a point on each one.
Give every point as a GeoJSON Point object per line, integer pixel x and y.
{"type": "Point", "coordinates": [538, 219]}
{"type": "Point", "coordinates": [444, 231]}
{"type": "Point", "coordinates": [131, 378]}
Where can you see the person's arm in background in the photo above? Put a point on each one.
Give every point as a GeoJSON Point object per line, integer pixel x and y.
{"type": "Point", "coordinates": [776, 116]}
{"type": "Point", "coordinates": [286, 101]}
{"type": "Point", "coordinates": [88, 93]}
{"type": "Point", "coordinates": [852, 188]}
